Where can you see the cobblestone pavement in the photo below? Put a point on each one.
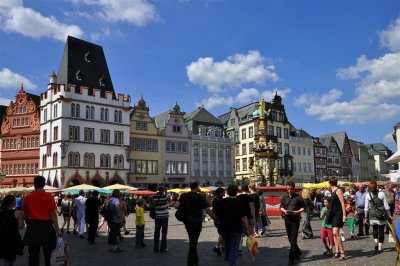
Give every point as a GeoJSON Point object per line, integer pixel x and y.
{"type": "Point", "coordinates": [274, 249]}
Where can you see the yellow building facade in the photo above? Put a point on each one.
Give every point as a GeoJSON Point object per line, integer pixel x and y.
{"type": "Point", "coordinates": [146, 167]}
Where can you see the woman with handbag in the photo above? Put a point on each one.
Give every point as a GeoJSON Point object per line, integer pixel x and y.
{"type": "Point", "coordinates": [377, 213]}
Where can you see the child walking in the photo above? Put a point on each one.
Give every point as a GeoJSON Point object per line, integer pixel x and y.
{"type": "Point", "coordinates": [140, 224]}
{"type": "Point", "coordinates": [351, 214]}
{"type": "Point", "coordinates": [326, 229]}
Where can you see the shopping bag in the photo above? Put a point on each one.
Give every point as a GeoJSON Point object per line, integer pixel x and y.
{"type": "Point", "coordinates": [391, 240]}
{"type": "Point", "coordinates": [60, 254]}
{"type": "Point", "coordinates": [252, 246]}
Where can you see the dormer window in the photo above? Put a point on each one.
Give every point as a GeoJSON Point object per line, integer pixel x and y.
{"type": "Point", "coordinates": [78, 75]}
{"type": "Point", "coordinates": [102, 81]}
{"type": "Point", "coordinates": [88, 58]}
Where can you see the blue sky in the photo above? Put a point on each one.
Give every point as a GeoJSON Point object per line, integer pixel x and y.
{"type": "Point", "coordinates": [336, 63]}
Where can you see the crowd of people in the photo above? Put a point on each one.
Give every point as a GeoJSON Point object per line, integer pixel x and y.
{"type": "Point", "coordinates": [369, 206]}
{"type": "Point", "coordinates": [235, 216]}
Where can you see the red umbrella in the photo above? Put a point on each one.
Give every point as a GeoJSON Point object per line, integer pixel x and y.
{"type": "Point", "coordinates": [143, 192]}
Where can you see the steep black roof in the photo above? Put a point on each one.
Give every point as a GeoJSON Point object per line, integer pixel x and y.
{"type": "Point", "coordinates": [84, 64]}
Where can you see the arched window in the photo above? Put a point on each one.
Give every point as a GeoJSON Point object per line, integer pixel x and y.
{"type": "Point", "coordinates": [116, 120]}
{"type": "Point", "coordinates": [106, 114]}
{"type": "Point", "coordinates": [55, 159]}
{"type": "Point", "coordinates": [108, 161]}
{"type": "Point", "coordinates": [102, 160]}
{"type": "Point", "coordinates": [71, 159]}
{"type": "Point", "coordinates": [116, 161]}
{"type": "Point", "coordinates": [86, 160]}
{"type": "Point", "coordinates": [120, 116]}
{"type": "Point", "coordinates": [92, 160]}
{"type": "Point", "coordinates": [73, 110]}
{"type": "Point", "coordinates": [91, 112]}
{"type": "Point", "coordinates": [102, 114]}
{"type": "Point", "coordinates": [121, 162]}
{"type": "Point", "coordinates": [87, 112]}
{"type": "Point", "coordinates": [77, 159]}
{"type": "Point", "coordinates": [78, 110]}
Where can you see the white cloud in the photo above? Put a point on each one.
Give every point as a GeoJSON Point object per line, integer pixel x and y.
{"type": "Point", "coordinates": [30, 23]}
{"type": "Point", "coordinates": [388, 138]}
{"type": "Point", "coordinates": [377, 91]}
{"type": "Point", "coordinates": [326, 107]}
{"type": "Point", "coordinates": [390, 38]}
{"type": "Point", "coordinates": [136, 12]}
{"type": "Point", "coordinates": [245, 96]}
{"type": "Point", "coordinates": [5, 101]}
{"type": "Point", "coordinates": [269, 94]}
{"type": "Point", "coordinates": [215, 101]}
{"type": "Point", "coordinates": [11, 80]}
{"type": "Point", "coordinates": [232, 72]}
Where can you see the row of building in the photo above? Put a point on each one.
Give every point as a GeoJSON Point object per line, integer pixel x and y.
{"type": "Point", "coordinates": [80, 130]}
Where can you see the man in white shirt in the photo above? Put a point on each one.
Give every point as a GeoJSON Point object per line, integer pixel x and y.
{"type": "Point", "coordinates": [79, 209]}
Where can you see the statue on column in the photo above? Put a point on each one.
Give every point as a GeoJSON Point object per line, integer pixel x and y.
{"type": "Point", "coordinates": [276, 173]}
{"type": "Point", "coordinates": [267, 173]}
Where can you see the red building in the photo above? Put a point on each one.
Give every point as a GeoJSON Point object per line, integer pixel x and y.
{"type": "Point", "coordinates": [20, 131]}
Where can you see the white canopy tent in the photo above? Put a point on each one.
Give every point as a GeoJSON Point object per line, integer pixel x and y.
{"type": "Point", "coordinates": [394, 176]}
{"type": "Point", "coordinates": [395, 158]}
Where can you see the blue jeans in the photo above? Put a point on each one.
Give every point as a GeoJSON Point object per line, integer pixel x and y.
{"type": "Point", "coordinates": [160, 224]}
{"type": "Point", "coordinates": [139, 235]}
{"type": "Point", "coordinates": [231, 247]}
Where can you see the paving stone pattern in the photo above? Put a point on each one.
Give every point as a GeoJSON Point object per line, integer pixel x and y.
{"type": "Point", "coordinates": [274, 248]}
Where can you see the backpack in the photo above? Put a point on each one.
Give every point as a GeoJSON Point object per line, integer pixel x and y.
{"type": "Point", "coordinates": [106, 213]}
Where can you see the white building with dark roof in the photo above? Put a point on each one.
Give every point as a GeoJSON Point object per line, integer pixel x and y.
{"type": "Point", "coordinates": [211, 149]}
{"type": "Point", "coordinates": [84, 124]}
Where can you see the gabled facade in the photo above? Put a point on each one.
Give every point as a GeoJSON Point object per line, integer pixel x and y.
{"type": "Point", "coordinates": [84, 123]}
{"type": "Point", "coordinates": [333, 156]}
{"type": "Point", "coordinates": [380, 153]}
{"type": "Point", "coordinates": [147, 169]}
{"type": "Point", "coordinates": [302, 151]}
{"type": "Point", "coordinates": [20, 132]}
{"type": "Point", "coordinates": [345, 149]}
{"type": "Point", "coordinates": [320, 160]}
{"type": "Point", "coordinates": [360, 161]}
{"type": "Point", "coordinates": [211, 149]}
{"type": "Point", "coordinates": [242, 126]}
{"type": "Point", "coordinates": [175, 147]}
